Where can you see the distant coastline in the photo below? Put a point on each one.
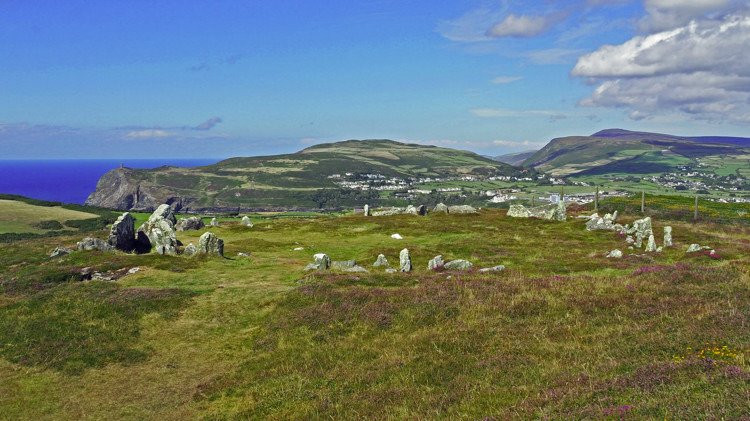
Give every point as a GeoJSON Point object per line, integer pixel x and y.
{"type": "Point", "coordinates": [71, 180]}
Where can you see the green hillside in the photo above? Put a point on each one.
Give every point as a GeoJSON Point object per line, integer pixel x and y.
{"type": "Point", "coordinates": [624, 152]}
{"type": "Point", "coordinates": [288, 181]}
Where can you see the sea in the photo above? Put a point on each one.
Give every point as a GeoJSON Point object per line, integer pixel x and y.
{"type": "Point", "coordinates": [71, 180]}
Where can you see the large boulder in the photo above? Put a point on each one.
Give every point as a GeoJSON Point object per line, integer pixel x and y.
{"type": "Point", "coordinates": [321, 261]}
{"type": "Point", "coordinates": [436, 263]}
{"type": "Point", "coordinates": [122, 233]}
{"type": "Point", "coordinates": [518, 211]}
{"type": "Point", "coordinates": [208, 243]}
{"type": "Point", "coordinates": [91, 243]}
{"type": "Point", "coordinates": [190, 250]}
{"type": "Point", "coordinates": [459, 264]}
{"type": "Point", "coordinates": [462, 209]}
{"type": "Point", "coordinates": [548, 212]}
{"type": "Point", "coordinates": [440, 207]}
{"type": "Point", "coordinates": [404, 261]}
{"type": "Point", "coordinates": [192, 223]}
{"type": "Point", "coordinates": [158, 232]}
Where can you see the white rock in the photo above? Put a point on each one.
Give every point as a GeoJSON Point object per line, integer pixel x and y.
{"type": "Point", "coordinates": [397, 236]}
{"type": "Point", "coordinates": [404, 260]}
{"type": "Point", "coordinates": [615, 254]}
{"type": "Point", "coordinates": [497, 268]}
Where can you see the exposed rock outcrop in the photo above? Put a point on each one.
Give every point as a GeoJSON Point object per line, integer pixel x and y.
{"type": "Point", "coordinates": [127, 189]}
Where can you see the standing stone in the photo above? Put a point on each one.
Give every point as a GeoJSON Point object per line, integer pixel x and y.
{"type": "Point", "coordinates": [651, 246]}
{"type": "Point", "coordinates": [436, 263]}
{"type": "Point", "coordinates": [208, 243]}
{"type": "Point", "coordinates": [440, 207]}
{"type": "Point", "coordinates": [367, 210]}
{"type": "Point", "coordinates": [642, 228]}
{"type": "Point", "coordinates": [381, 261]}
{"type": "Point", "coordinates": [404, 260]}
{"type": "Point", "coordinates": [214, 222]}
{"type": "Point", "coordinates": [421, 210]}
{"type": "Point", "coordinates": [247, 222]}
{"type": "Point", "coordinates": [122, 233]}
{"type": "Point", "coordinates": [560, 214]}
{"type": "Point", "coordinates": [667, 236]}
{"type": "Point", "coordinates": [158, 232]}
{"type": "Point", "coordinates": [192, 223]}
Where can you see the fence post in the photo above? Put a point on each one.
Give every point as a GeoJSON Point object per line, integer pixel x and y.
{"type": "Point", "coordinates": [695, 208]}
{"type": "Point", "coordinates": [596, 200]}
{"type": "Point", "coordinates": [643, 201]}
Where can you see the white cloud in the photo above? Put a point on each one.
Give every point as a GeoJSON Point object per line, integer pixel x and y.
{"type": "Point", "coordinates": [520, 26]}
{"type": "Point", "coordinates": [553, 55]}
{"type": "Point", "coordinates": [668, 14]}
{"type": "Point", "coordinates": [510, 113]}
{"type": "Point", "coordinates": [502, 80]}
{"type": "Point", "coordinates": [700, 70]}
{"type": "Point", "coordinates": [471, 26]}
{"type": "Point", "coordinates": [148, 134]}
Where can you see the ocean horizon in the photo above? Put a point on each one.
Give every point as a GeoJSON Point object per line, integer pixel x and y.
{"type": "Point", "coordinates": [71, 180]}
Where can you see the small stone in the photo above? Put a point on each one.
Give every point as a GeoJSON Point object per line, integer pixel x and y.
{"type": "Point", "coordinates": [60, 251]}
{"type": "Point", "coordinates": [356, 269]}
{"type": "Point", "coordinates": [397, 236]}
{"type": "Point", "coordinates": [651, 246]}
{"type": "Point", "coordinates": [497, 268]}
{"type": "Point", "coordinates": [694, 248]}
{"type": "Point", "coordinates": [214, 222]}
{"type": "Point", "coordinates": [321, 261]}
{"type": "Point", "coordinates": [436, 263]}
{"type": "Point", "coordinates": [615, 254]}
{"type": "Point", "coordinates": [298, 248]}
{"type": "Point", "coordinates": [381, 261]}
{"type": "Point", "coordinates": [458, 264]}
{"type": "Point", "coordinates": [390, 270]}
{"type": "Point", "coordinates": [190, 250]}
{"type": "Point", "coordinates": [247, 222]}
{"type": "Point", "coordinates": [343, 264]}
{"type": "Point", "coordinates": [405, 261]}
{"type": "Point", "coordinates": [133, 270]}
{"type": "Point", "coordinates": [90, 243]}
{"type": "Point", "coordinates": [240, 254]}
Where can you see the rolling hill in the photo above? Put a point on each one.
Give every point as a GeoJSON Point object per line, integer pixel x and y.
{"type": "Point", "coordinates": [516, 158]}
{"type": "Point", "coordinates": [623, 151]}
{"type": "Point", "coordinates": [283, 182]}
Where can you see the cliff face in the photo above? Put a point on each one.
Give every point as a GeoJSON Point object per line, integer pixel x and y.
{"type": "Point", "coordinates": [126, 189]}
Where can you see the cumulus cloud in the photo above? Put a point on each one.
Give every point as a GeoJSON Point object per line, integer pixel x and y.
{"type": "Point", "coordinates": [700, 70]}
{"type": "Point", "coordinates": [209, 124]}
{"type": "Point", "coordinates": [520, 26]}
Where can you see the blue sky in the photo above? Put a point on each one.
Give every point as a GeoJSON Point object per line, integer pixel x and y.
{"type": "Point", "coordinates": [85, 79]}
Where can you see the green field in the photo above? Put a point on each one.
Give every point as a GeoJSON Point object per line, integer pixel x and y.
{"type": "Point", "coordinates": [20, 217]}
{"type": "Point", "coordinates": [562, 333]}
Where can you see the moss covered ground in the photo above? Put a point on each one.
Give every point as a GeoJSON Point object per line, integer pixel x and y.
{"type": "Point", "coordinates": [562, 333]}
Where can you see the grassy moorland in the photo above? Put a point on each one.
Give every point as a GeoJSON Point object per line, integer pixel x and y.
{"type": "Point", "coordinates": [563, 333]}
